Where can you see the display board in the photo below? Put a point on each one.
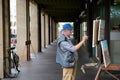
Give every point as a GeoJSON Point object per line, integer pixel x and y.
{"type": "Point", "coordinates": [105, 52]}
{"type": "Point", "coordinates": [101, 30]}
{"type": "Point", "coordinates": [98, 35]}
{"type": "Point", "coordinates": [95, 33]}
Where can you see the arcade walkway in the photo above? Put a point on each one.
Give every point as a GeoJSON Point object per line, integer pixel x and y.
{"type": "Point", "coordinates": [43, 67]}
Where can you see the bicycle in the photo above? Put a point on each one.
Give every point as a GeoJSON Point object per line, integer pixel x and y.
{"type": "Point", "coordinates": [14, 63]}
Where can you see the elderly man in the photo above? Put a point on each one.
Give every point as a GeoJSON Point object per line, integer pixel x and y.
{"type": "Point", "coordinates": [67, 53]}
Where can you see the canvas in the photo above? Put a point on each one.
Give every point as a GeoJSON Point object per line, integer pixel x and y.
{"type": "Point", "coordinates": [105, 52]}
{"type": "Point", "coordinates": [95, 32]}
{"type": "Point", "coordinates": [101, 30]}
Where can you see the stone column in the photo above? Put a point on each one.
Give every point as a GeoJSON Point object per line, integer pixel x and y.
{"type": "Point", "coordinates": [42, 29]}
{"type": "Point", "coordinates": [1, 40]}
{"type": "Point", "coordinates": [46, 29]}
{"type": "Point", "coordinates": [21, 20]}
{"type": "Point", "coordinates": [51, 30]}
{"type": "Point", "coordinates": [6, 36]}
{"type": "Point", "coordinates": [89, 27]}
{"type": "Point", "coordinates": [28, 43]}
{"type": "Point", "coordinates": [34, 27]}
{"type": "Point", "coordinates": [39, 28]}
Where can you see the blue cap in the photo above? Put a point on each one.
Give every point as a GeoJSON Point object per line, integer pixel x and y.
{"type": "Point", "coordinates": [67, 27]}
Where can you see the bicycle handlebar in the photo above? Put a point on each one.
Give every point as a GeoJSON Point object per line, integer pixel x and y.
{"type": "Point", "coordinates": [10, 49]}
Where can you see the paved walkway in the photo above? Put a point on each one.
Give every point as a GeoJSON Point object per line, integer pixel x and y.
{"type": "Point", "coordinates": [43, 67]}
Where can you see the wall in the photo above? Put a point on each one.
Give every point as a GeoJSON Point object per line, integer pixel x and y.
{"type": "Point", "coordinates": [115, 51]}
{"type": "Point", "coordinates": [115, 47]}
{"type": "Point", "coordinates": [115, 15]}
{"type": "Point", "coordinates": [115, 33]}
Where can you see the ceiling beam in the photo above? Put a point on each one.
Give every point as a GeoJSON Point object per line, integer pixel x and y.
{"type": "Point", "coordinates": [66, 10]}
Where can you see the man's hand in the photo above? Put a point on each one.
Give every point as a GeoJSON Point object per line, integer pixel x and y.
{"type": "Point", "coordinates": [85, 37]}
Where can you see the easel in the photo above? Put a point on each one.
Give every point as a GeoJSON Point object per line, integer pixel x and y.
{"type": "Point", "coordinates": [94, 64]}
{"type": "Point", "coordinates": [107, 64]}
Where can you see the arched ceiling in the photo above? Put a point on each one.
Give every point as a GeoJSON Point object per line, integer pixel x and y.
{"type": "Point", "coordinates": [62, 10]}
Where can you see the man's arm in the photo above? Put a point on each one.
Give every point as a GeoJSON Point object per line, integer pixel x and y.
{"type": "Point", "coordinates": [77, 46]}
{"type": "Point", "coordinates": [67, 46]}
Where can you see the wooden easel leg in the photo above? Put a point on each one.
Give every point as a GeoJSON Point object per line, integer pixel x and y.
{"type": "Point", "coordinates": [98, 73]}
{"type": "Point", "coordinates": [82, 69]}
{"type": "Point", "coordinates": [112, 75]}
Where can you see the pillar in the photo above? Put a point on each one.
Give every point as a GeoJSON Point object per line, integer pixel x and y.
{"type": "Point", "coordinates": [34, 27]}
{"type": "Point", "coordinates": [46, 29]}
{"type": "Point", "coordinates": [22, 35]}
{"type": "Point", "coordinates": [39, 29]}
{"type": "Point", "coordinates": [1, 40]}
{"type": "Point", "coordinates": [42, 29]}
{"type": "Point", "coordinates": [6, 37]}
{"type": "Point", "coordinates": [89, 27]}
